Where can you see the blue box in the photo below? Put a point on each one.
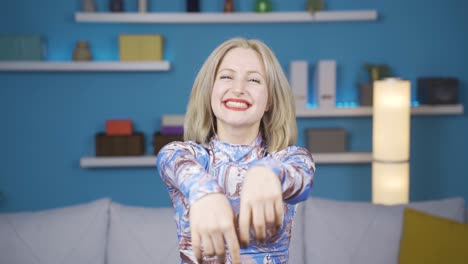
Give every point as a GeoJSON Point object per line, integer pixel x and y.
{"type": "Point", "coordinates": [22, 48]}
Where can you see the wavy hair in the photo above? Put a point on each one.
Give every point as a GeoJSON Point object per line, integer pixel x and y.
{"type": "Point", "coordinates": [278, 125]}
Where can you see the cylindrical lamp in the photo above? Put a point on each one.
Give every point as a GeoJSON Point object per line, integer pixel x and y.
{"type": "Point", "coordinates": [391, 141]}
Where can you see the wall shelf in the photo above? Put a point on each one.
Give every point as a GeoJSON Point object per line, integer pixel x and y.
{"type": "Point", "coordinates": [150, 161]}
{"type": "Point", "coordinates": [83, 66]}
{"type": "Point", "coordinates": [342, 158]}
{"type": "Point", "coordinates": [108, 162]}
{"type": "Point", "coordinates": [367, 111]}
{"type": "Point", "coordinates": [241, 17]}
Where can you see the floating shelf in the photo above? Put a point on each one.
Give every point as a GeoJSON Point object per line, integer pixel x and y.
{"type": "Point", "coordinates": [150, 161]}
{"type": "Point", "coordinates": [241, 17]}
{"type": "Point", "coordinates": [367, 111]}
{"type": "Point", "coordinates": [342, 158]}
{"type": "Point", "coordinates": [103, 162]}
{"type": "Point", "coordinates": [83, 66]}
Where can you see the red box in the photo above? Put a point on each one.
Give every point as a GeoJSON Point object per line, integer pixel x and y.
{"type": "Point", "coordinates": [122, 127]}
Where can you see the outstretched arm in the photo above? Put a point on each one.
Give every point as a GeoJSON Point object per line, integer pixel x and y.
{"type": "Point", "coordinates": [295, 168]}
{"type": "Point", "coordinates": [285, 176]}
{"type": "Point", "coordinates": [182, 165]}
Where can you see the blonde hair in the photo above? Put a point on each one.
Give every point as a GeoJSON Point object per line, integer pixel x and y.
{"type": "Point", "coordinates": [278, 124]}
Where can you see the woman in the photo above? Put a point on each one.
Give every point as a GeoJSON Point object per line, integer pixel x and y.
{"type": "Point", "coordinates": [235, 180]}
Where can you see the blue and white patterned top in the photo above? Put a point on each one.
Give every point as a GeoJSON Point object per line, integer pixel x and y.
{"type": "Point", "coordinates": [191, 171]}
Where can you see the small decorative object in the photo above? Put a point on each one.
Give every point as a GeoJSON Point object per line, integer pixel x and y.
{"type": "Point", "coordinates": [314, 5]}
{"type": "Point", "coordinates": [119, 127]}
{"type": "Point", "coordinates": [172, 125]}
{"type": "Point", "coordinates": [120, 139]}
{"type": "Point", "coordinates": [262, 6]}
{"type": "Point", "coordinates": [23, 48]}
{"type": "Point", "coordinates": [89, 6]}
{"type": "Point", "coordinates": [437, 90]}
{"type": "Point", "coordinates": [129, 145]}
{"type": "Point", "coordinates": [326, 140]}
{"type": "Point", "coordinates": [325, 83]}
{"type": "Point", "coordinates": [193, 6]}
{"type": "Point", "coordinates": [116, 6]}
{"type": "Point", "coordinates": [228, 6]}
{"type": "Point", "coordinates": [82, 52]}
{"type": "Point", "coordinates": [374, 72]}
{"type": "Point", "coordinates": [299, 79]}
{"type": "Point", "coordinates": [142, 6]}
{"type": "Point", "coordinates": [377, 71]}
{"type": "Point", "coordinates": [172, 129]}
{"type": "Point", "coordinates": [141, 47]}
{"type": "Point", "coordinates": [160, 140]}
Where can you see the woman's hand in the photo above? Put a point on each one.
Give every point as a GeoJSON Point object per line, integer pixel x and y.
{"type": "Point", "coordinates": [261, 204]}
{"type": "Point", "coordinates": [212, 224]}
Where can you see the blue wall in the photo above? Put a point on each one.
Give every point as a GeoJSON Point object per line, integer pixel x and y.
{"type": "Point", "coordinates": [48, 120]}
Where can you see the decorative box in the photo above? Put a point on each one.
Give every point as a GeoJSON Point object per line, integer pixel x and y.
{"type": "Point", "coordinates": [22, 48]}
{"type": "Point", "coordinates": [172, 130]}
{"type": "Point", "coordinates": [172, 125]}
{"type": "Point", "coordinates": [111, 145]}
{"type": "Point", "coordinates": [160, 140]}
{"type": "Point", "coordinates": [437, 90]}
{"type": "Point", "coordinates": [322, 140]}
{"type": "Point", "coordinates": [141, 47]}
{"type": "Point", "coordinates": [122, 127]}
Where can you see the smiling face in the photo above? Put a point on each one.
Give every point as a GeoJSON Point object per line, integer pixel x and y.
{"type": "Point", "coordinates": [240, 95]}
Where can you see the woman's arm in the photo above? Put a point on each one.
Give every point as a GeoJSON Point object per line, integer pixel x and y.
{"type": "Point", "coordinates": [295, 168]}
{"type": "Point", "coordinates": [286, 176]}
{"type": "Point", "coordinates": [182, 165]}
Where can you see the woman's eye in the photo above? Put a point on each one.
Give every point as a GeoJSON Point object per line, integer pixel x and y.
{"type": "Point", "coordinates": [254, 80]}
{"type": "Point", "coordinates": [225, 77]}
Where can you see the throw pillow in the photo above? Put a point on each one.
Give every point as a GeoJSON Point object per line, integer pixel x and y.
{"type": "Point", "coordinates": [72, 235]}
{"type": "Point", "coordinates": [142, 235]}
{"type": "Point", "coordinates": [428, 239]}
{"type": "Point", "coordinates": [361, 232]}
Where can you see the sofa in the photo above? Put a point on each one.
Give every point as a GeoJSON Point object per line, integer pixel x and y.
{"type": "Point", "coordinates": [105, 231]}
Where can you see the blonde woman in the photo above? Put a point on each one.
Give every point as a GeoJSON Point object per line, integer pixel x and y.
{"type": "Point", "coordinates": [235, 180]}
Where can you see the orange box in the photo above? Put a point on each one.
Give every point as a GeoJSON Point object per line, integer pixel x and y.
{"type": "Point", "coordinates": [121, 127]}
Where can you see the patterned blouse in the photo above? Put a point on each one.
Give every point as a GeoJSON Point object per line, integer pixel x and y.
{"type": "Point", "coordinates": [191, 171]}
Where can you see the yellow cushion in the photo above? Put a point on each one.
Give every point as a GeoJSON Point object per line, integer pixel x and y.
{"type": "Point", "coordinates": [431, 239]}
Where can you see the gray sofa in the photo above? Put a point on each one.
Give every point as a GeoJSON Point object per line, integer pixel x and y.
{"type": "Point", "coordinates": [102, 231]}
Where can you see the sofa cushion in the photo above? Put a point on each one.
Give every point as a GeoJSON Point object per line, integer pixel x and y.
{"type": "Point", "coordinates": [428, 239]}
{"type": "Point", "coordinates": [142, 235]}
{"type": "Point", "coordinates": [72, 235]}
{"type": "Point", "coordinates": [296, 246]}
{"type": "Point", "coordinates": [361, 232]}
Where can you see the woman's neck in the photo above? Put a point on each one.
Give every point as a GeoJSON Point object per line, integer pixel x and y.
{"type": "Point", "coordinates": [238, 136]}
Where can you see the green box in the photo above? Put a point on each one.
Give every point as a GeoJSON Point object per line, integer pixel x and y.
{"type": "Point", "coordinates": [22, 48]}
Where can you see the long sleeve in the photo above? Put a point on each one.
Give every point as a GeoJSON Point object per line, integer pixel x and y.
{"type": "Point", "coordinates": [182, 165]}
{"type": "Point", "coordinates": [295, 169]}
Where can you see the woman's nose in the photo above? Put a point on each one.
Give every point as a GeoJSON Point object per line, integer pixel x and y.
{"type": "Point", "coordinates": [238, 86]}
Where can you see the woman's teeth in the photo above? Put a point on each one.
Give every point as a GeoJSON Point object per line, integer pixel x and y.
{"type": "Point", "coordinates": [236, 104]}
